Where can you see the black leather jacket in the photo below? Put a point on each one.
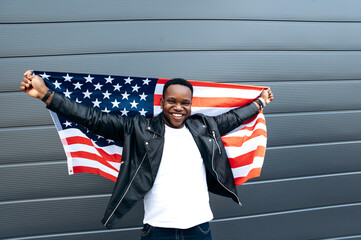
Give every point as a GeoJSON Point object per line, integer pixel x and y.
{"type": "Point", "coordinates": [143, 141]}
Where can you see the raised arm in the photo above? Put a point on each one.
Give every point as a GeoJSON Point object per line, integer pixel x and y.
{"type": "Point", "coordinates": [35, 87]}
{"type": "Point", "coordinates": [107, 125]}
{"type": "Point", "coordinates": [230, 120]}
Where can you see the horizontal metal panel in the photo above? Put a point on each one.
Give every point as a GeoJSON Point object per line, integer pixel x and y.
{"type": "Point", "coordinates": [323, 10]}
{"type": "Point", "coordinates": [290, 194]}
{"type": "Point", "coordinates": [283, 129]}
{"type": "Point", "coordinates": [311, 160]}
{"type": "Point", "coordinates": [116, 234]}
{"type": "Point", "coordinates": [50, 179]}
{"type": "Point", "coordinates": [115, 37]}
{"type": "Point", "coordinates": [308, 128]}
{"type": "Point", "coordinates": [83, 214]}
{"type": "Point", "coordinates": [52, 217]}
{"type": "Point", "coordinates": [36, 144]}
{"type": "Point", "coordinates": [312, 224]}
{"type": "Point", "coordinates": [18, 109]}
{"type": "Point", "coordinates": [223, 66]}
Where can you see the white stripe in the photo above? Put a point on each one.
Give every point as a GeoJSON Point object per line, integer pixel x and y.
{"type": "Point", "coordinates": [246, 132]}
{"type": "Point", "coordinates": [115, 164]}
{"type": "Point", "coordinates": [158, 89]}
{"type": "Point", "coordinates": [218, 91]}
{"type": "Point", "coordinates": [225, 92]}
{"type": "Point", "coordinates": [71, 132]}
{"type": "Point", "coordinates": [112, 149]}
{"type": "Point", "coordinates": [247, 146]}
{"type": "Point", "coordinates": [82, 162]}
{"type": "Point", "coordinates": [81, 147]}
{"type": "Point", "coordinates": [244, 171]}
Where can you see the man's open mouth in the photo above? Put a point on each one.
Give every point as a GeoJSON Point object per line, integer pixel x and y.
{"type": "Point", "coordinates": [177, 115]}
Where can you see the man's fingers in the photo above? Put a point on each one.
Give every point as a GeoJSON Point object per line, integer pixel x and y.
{"type": "Point", "coordinates": [28, 73]}
{"type": "Point", "coordinates": [26, 80]}
{"type": "Point", "coordinates": [26, 83]}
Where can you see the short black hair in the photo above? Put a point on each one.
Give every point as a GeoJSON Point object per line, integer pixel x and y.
{"type": "Point", "coordinates": [179, 81]}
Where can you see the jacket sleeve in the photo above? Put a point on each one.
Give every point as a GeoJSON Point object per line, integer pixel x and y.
{"type": "Point", "coordinates": [232, 119]}
{"type": "Point", "coordinates": [108, 125]}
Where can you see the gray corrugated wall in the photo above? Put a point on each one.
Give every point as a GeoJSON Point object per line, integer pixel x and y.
{"type": "Point", "coordinates": [308, 51]}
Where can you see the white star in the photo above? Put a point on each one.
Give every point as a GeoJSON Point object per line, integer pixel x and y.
{"type": "Point", "coordinates": [98, 86]}
{"type": "Point", "coordinates": [134, 104]}
{"type": "Point", "coordinates": [67, 93]}
{"type": "Point", "coordinates": [124, 112]}
{"type": "Point", "coordinates": [77, 85]}
{"type": "Point", "coordinates": [117, 87]}
{"type": "Point", "coordinates": [96, 103]}
{"type": "Point", "coordinates": [110, 141]}
{"type": "Point", "coordinates": [45, 76]}
{"type": "Point", "coordinates": [106, 94]}
{"type": "Point", "coordinates": [109, 79]}
{"type": "Point", "coordinates": [128, 80]}
{"type": "Point", "coordinates": [87, 94]}
{"type": "Point", "coordinates": [89, 79]}
{"type": "Point", "coordinates": [142, 113]}
{"type": "Point", "coordinates": [143, 97]}
{"type": "Point", "coordinates": [106, 110]}
{"type": "Point", "coordinates": [57, 84]}
{"type": "Point", "coordinates": [67, 77]}
{"type": "Point", "coordinates": [146, 81]}
{"type": "Point", "coordinates": [77, 100]}
{"type": "Point", "coordinates": [125, 95]}
{"type": "Point", "coordinates": [99, 136]}
{"type": "Point", "coordinates": [67, 124]}
{"type": "Point", "coordinates": [115, 103]}
{"type": "Point", "coordinates": [135, 88]}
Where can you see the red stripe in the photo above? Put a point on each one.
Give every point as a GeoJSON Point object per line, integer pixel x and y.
{"type": "Point", "coordinates": [247, 158]}
{"type": "Point", "coordinates": [84, 169]}
{"type": "Point", "coordinates": [255, 172]}
{"type": "Point", "coordinates": [79, 140]}
{"type": "Point", "coordinates": [92, 156]}
{"type": "Point", "coordinates": [239, 141]}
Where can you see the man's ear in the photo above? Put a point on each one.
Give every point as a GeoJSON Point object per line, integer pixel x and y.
{"type": "Point", "coordinates": [161, 102]}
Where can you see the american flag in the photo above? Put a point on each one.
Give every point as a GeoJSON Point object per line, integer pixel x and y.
{"type": "Point", "coordinates": [130, 96]}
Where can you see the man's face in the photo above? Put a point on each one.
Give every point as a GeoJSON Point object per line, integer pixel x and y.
{"type": "Point", "coordinates": [176, 105]}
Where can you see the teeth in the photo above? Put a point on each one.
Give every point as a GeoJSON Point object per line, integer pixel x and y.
{"type": "Point", "coordinates": [177, 115]}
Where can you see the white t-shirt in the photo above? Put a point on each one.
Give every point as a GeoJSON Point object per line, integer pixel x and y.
{"type": "Point", "coordinates": [179, 197]}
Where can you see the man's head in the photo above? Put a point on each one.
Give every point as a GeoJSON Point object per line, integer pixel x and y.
{"type": "Point", "coordinates": [176, 102]}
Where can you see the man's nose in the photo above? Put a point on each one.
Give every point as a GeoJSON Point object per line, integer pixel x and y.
{"type": "Point", "coordinates": [178, 106]}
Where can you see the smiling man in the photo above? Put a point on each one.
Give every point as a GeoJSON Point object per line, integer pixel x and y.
{"type": "Point", "coordinates": [171, 161]}
{"type": "Point", "coordinates": [176, 102]}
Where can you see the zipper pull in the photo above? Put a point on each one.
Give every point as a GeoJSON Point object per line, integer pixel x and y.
{"type": "Point", "coordinates": [215, 139]}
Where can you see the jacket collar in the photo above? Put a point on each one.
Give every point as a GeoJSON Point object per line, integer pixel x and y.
{"type": "Point", "coordinates": [156, 125]}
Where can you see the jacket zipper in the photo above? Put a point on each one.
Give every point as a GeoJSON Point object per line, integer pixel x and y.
{"type": "Point", "coordinates": [239, 202]}
{"type": "Point", "coordinates": [215, 139]}
{"type": "Point", "coordinates": [130, 183]}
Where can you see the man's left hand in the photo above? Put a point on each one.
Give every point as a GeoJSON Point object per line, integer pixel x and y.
{"type": "Point", "coordinates": [267, 95]}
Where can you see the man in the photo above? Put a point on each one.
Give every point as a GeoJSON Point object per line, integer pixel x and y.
{"type": "Point", "coordinates": [171, 161]}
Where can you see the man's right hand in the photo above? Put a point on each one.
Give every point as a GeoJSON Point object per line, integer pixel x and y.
{"type": "Point", "coordinates": [33, 85]}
